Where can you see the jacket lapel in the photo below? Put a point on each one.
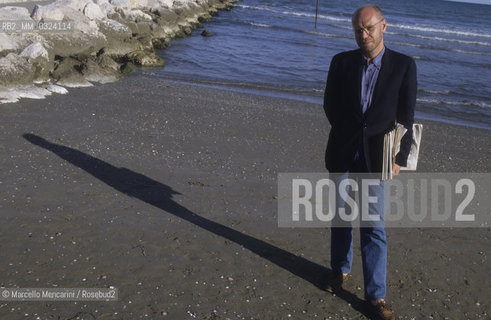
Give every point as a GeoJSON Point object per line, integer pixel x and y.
{"type": "Point", "coordinates": [383, 76]}
{"type": "Point", "coordinates": [357, 70]}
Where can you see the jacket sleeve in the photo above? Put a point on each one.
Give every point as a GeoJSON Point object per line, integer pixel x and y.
{"type": "Point", "coordinates": [405, 111]}
{"type": "Point", "coordinates": [332, 89]}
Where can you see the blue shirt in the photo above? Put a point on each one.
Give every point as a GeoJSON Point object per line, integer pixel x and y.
{"type": "Point", "coordinates": [369, 79]}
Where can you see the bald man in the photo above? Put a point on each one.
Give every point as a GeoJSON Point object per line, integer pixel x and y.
{"type": "Point", "coordinates": [367, 91]}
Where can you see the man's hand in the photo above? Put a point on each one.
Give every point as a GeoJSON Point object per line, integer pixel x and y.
{"type": "Point", "coordinates": [396, 169]}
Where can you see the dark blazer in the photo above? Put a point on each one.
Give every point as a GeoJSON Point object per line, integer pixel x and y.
{"type": "Point", "coordinates": [394, 98]}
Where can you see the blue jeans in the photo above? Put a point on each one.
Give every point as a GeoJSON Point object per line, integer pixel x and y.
{"type": "Point", "coordinates": [372, 239]}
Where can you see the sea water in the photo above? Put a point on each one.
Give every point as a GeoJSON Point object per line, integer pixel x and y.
{"type": "Point", "coordinates": [272, 47]}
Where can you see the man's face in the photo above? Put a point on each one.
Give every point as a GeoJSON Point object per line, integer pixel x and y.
{"type": "Point", "coordinates": [369, 30]}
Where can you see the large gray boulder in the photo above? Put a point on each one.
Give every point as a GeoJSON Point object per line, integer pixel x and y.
{"type": "Point", "coordinates": [9, 43]}
{"type": "Point", "coordinates": [67, 68]}
{"type": "Point", "coordinates": [137, 15]}
{"type": "Point", "coordinates": [16, 42]}
{"type": "Point", "coordinates": [84, 39]}
{"type": "Point", "coordinates": [124, 4]}
{"type": "Point", "coordinates": [38, 57]}
{"type": "Point", "coordinates": [15, 70]}
{"type": "Point", "coordinates": [120, 40]}
{"type": "Point", "coordinates": [77, 5]}
{"type": "Point", "coordinates": [93, 11]}
{"type": "Point", "coordinates": [35, 52]}
{"type": "Point", "coordinates": [166, 3]}
{"type": "Point", "coordinates": [105, 6]}
{"type": "Point", "coordinates": [47, 13]}
{"type": "Point", "coordinates": [102, 69]}
{"type": "Point", "coordinates": [68, 73]}
{"type": "Point", "coordinates": [14, 13]}
{"type": "Point", "coordinates": [145, 59]}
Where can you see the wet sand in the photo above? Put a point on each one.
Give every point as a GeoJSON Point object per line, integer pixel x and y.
{"type": "Point", "coordinates": [167, 192]}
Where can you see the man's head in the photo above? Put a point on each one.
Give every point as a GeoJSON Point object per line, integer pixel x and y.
{"type": "Point", "coordinates": [369, 26]}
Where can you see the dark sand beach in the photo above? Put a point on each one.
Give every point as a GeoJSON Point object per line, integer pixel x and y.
{"type": "Point", "coordinates": [167, 192]}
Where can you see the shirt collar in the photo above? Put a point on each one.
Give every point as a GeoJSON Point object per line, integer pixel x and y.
{"type": "Point", "coordinates": [377, 61]}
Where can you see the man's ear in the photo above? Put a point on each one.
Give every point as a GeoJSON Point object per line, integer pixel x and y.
{"type": "Point", "coordinates": [384, 25]}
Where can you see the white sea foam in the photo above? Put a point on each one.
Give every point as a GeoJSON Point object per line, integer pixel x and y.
{"type": "Point", "coordinates": [294, 13]}
{"type": "Point", "coordinates": [440, 30]}
{"type": "Point", "coordinates": [414, 45]}
{"type": "Point", "coordinates": [261, 8]}
{"type": "Point", "coordinates": [478, 43]}
{"type": "Point", "coordinates": [260, 25]}
{"type": "Point", "coordinates": [479, 53]}
{"type": "Point", "coordinates": [320, 16]}
{"type": "Point", "coordinates": [444, 92]}
{"type": "Point", "coordinates": [479, 104]}
{"type": "Point", "coordinates": [440, 39]}
{"type": "Point", "coordinates": [425, 46]}
{"type": "Point", "coordinates": [326, 35]}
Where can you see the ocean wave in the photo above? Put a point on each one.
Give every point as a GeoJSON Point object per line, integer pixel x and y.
{"type": "Point", "coordinates": [440, 30]}
{"type": "Point", "coordinates": [444, 92]}
{"type": "Point", "coordinates": [432, 47]}
{"type": "Point", "coordinates": [479, 53]}
{"type": "Point", "coordinates": [418, 36]}
{"type": "Point", "coordinates": [293, 13]}
{"type": "Point", "coordinates": [472, 103]}
{"type": "Point", "coordinates": [326, 35]}
{"type": "Point", "coordinates": [414, 45]}
{"type": "Point", "coordinates": [320, 16]}
{"type": "Point", "coordinates": [262, 8]}
{"type": "Point", "coordinates": [478, 43]}
{"type": "Point", "coordinates": [260, 25]}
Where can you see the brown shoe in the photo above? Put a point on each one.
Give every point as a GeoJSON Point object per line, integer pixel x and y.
{"type": "Point", "coordinates": [336, 281]}
{"type": "Point", "coordinates": [382, 311]}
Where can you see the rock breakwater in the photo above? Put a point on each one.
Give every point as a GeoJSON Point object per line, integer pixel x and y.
{"type": "Point", "coordinates": [73, 43]}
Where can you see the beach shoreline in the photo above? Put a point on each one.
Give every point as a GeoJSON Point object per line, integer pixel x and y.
{"type": "Point", "coordinates": [316, 96]}
{"type": "Point", "coordinates": [168, 191]}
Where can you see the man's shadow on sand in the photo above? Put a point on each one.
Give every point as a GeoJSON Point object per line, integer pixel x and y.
{"type": "Point", "coordinates": [160, 195]}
